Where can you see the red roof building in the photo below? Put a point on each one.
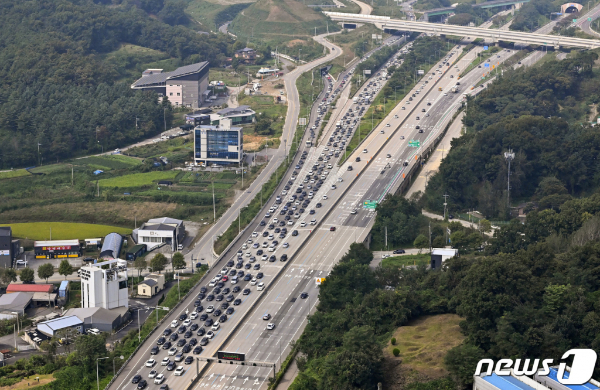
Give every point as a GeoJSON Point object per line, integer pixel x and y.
{"type": "Point", "coordinates": [44, 288]}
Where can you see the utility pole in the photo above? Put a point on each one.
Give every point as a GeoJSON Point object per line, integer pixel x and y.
{"type": "Point", "coordinates": [214, 207]}
{"type": "Point", "coordinates": [445, 204]}
{"type": "Point", "coordinates": [509, 156]}
{"type": "Point", "coordinates": [430, 237]}
{"type": "Point", "coordinates": [386, 246]}
{"type": "Point", "coordinates": [165, 118]}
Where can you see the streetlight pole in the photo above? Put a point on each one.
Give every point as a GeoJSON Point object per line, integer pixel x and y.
{"type": "Point", "coordinates": [97, 372]}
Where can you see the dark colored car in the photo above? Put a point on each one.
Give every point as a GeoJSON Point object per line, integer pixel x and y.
{"type": "Point", "coordinates": [229, 298]}
{"type": "Point", "coordinates": [201, 332]}
{"type": "Point", "coordinates": [284, 257]}
{"type": "Point", "coordinates": [167, 345]}
{"type": "Point", "coordinates": [399, 251]}
{"type": "Point", "coordinates": [247, 277]}
{"type": "Point", "coordinates": [193, 342]}
{"type": "Point", "coordinates": [259, 275]}
{"type": "Point", "coordinates": [171, 366]}
{"type": "Point", "coordinates": [197, 350]}
{"type": "Point", "coordinates": [236, 289]}
{"type": "Point", "coordinates": [188, 334]}
{"type": "Point", "coordinates": [208, 322]}
{"type": "Point", "coordinates": [224, 305]}
{"type": "Point", "coordinates": [237, 302]}
{"type": "Point", "coordinates": [193, 327]}
{"type": "Point", "coordinates": [295, 233]}
{"type": "Point", "coordinates": [272, 258]}
{"type": "Point", "coordinates": [246, 291]}
{"type": "Point", "coordinates": [223, 318]}
{"type": "Point", "coordinates": [142, 384]}
{"type": "Point", "coordinates": [304, 295]}
{"type": "Point", "coordinates": [161, 341]}
{"type": "Point", "coordinates": [210, 298]}
{"type": "Point", "coordinates": [136, 379]}
{"type": "Point", "coordinates": [154, 351]}
{"type": "Point", "coordinates": [167, 332]}
{"type": "Point", "coordinates": [203, 317]}
{"type": "Point", "coordinates": [204, 341]}
{"type": "Point", "coordinates": [217, 313]}
{"type": "Point", "coordinates": [186, 348]}
{"type": "Point", "coordinates": [183, 317]}
{"type": "Point", "coordinates": [181, 342]}
{"type": "Point", "coordinates": [188, 360]}
{"type": "Point", "coordinates": [182, 329]}
{"type": "Point", "coordinates": [219, 298]}
{"type": "Point", "coordinates": [174, 337]}
{"type": "Point", "coordinates": [230, 311]}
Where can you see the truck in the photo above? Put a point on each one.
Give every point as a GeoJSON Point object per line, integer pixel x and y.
{"type": "Point", "coordinates": [338, 124]}
{"type": "Point", "coordinates": [439, 89]}
{"type": "Point", "coordinates": [454, 89]}
{"type": "Point", "coordinates": [355, 99]}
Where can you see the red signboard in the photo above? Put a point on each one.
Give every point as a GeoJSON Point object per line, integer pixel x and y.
{"type": "Point", "coordinates": [56, 248]}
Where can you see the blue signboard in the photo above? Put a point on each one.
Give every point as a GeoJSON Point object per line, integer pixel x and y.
{"type": "Point", "coordinates": [485, 48]}
{"type": "Point", "coordinates": [487, 65]}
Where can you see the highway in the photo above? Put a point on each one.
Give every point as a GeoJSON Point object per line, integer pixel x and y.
{"type": "Point", "coordinates": [585, 24]}
{"type": "Point", "coordinates": [204, 247]}
{"type": "Point", "coordinates": [385, 22]}
{"type": "Point", "coordinates": [269, 269]}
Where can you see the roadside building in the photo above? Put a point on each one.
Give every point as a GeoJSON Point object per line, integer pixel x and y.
{"type": "Point", "coordinates": [93, 243]}
{"type": "Point", "coordinates": [112, 246]}
{"type": "Point", "coordinates": [246, 54]}
{"type": "Point", "coordinates": [6, 249]}
{"type": "Point", "coordinates": [551, 381]}
{"type": "Point", "coordinates": [135, 252]}
{"type": "Point", "coordinates": [508, 382]}
{"type": "Point", "coordinates": [159, 231]}
{"type": "Point", "coordinates": [63, 290]}
{"type": "Point", "coordinates": [238, 115]}
{"type": "Point", "coordinates": [152, 285]}
{"type": "Point", "coordinates": [49, 328]}
{"type": "Point", "coordinates": [222, 144]}
{"type": "Point", "coordinates": [100, 318]}
{"type": "Point", "coordinates": [105, 288]}
{"type": "Point", "coordinates": [197, 119]}
{"type": "Point", "coordinates": [183, 87]}
{"type": "Point", "coordinates": [21, 287]}
{"type": "Point", "coordinates": [439, 255]}
{"type": "Point", "coordinates": [14, 303]}
{"type": "Point", "coordinates": [56, 249]}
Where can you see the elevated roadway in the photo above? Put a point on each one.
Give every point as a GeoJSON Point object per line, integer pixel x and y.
{"type": "Point", "coordinates": [385, 22]}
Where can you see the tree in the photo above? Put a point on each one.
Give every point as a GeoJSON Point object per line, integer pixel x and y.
{"type": "Point", "coordinates": [140, 264]}
{"type": "Point", "coordinates": [421, 242]}
{"type": "Point", "coordinates": [462, 361]}
{"type": "Point", "coordinates": [158, 262]}
{"type": "Point", "coordinates": [27, 275]}
{"type": "Point", "coordinates": [8, 276]}
{"type": "Point", "coordinates": [65, 268]}
{"type": "Point", "coordinates": [45, 271]}
{"type": "Point", "coordinates": [88, 348]}
{"type": "Point", "coordinates": [178, 261]}
{"type": "Point", "coordinates": [485, 226]}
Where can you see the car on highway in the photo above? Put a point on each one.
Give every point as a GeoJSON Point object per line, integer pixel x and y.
{"type": "Point", "coordinates": [171, 366]}
{"type": "Point", "coordinates": [142, 384]}
{"type": "Point", "coordinates": [179, 371]}
{"type": "Point", "coordinates": [399, 251]}
{"type": "Point", "coordinates": [136, 379]}
{"type": "Point", "coordinates": [266, 317]}
{"type": "Point", "coordinates": [172, 351]}
{"type": "Point", "coordinates": [238, 301]}
{"type": "Point", "coordinates": [304, 295]}
{"type": "Point", "coordinates": [154, 350]}
{"type": "Point", "coordinates": [174, 324]}
{"type": "Point", "coordinates": [160, 378]}
{"type": "Point", "coordinates": [260, 286]}
{"type": "Point", "coordinates": [332, 229]}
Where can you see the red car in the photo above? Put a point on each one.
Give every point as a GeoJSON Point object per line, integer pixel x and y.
{"type": "Point", "coordinates": [332, 229]}
{"type": "Point", "coordinates": [225, 278]}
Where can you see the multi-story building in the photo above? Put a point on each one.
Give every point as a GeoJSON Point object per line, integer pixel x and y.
{"type": "Point", "coordinates": [183, 87]}
{"type": "Point", "coordinates": [160, 231]}
{"type": "Point", "coordinates": [222, 144]}
{"type": "Point", "coordinates": [105, 288]}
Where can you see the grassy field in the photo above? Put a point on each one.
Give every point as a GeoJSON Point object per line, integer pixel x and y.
{"type": "Point", "coordinates": [107, 163]}
{"type": "Point", "coordinates": [402, 261]}
{"type": "Point", "coordinates": [15, 173]}
{"type": "Point", "coordinates": [423, 343]}
{"type": "Point", "coordinates": [32, 383]}
{"type": "Point", "coordinates": [138, 179]}
{"type": "Point", "coordinates": [133, 59]}
{"type": "Point", "coordinates": [63, 230]}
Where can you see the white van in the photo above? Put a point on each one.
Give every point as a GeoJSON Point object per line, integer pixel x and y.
{"type": "Point", "coordinates": [234, 280]}
{"type": "Point", "coordinates": [260, 286]}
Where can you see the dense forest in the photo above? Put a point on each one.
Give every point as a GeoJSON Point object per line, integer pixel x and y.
{"type": "Point", "coordinates": [537, 298]}
{"type": "Point", "coordinates": [540, 113]}
{"type": "Point", "coordinates": [58, 89]}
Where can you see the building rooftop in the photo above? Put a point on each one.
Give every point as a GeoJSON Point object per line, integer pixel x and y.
{"type": "Point", "coordinates": [14, 287]}
{"type": "Point", "coordinates": [56, 243]}
{"type": "Point", "coordinates": [95, 314]}
{"type": "Point", "coordinates": [246, 49]}
{"type": "Point", "coordinates": [155, 77]}
{"type": "Point", "coordinates": [218, 128]}
{"type": "Point", "coordinates": [63, 285]}
{"type": "Point", "coordinates": [444, 252]}
{"type": "Point", "coordinates": [15, 301]}
{"type": "Point", "coordinates": [229, 111]}
{"type": "Point", "coordinates": [59, 323]}
{"type": "Point", "coordinates": [5, 231]}
{"type": "Point", "coordinates": [506, 382]}
{"type": "Point", "coordinates": [553, 375]}
{"type": "Point", "coordinates": [160, 226]}
{"type": "Point", "coordinates": [149, 282]}
{"type": "Point", "coordinates": [166, 220]}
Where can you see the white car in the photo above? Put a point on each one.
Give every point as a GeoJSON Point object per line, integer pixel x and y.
{"type": "Point", "coordinates": [264, 257]}
{"type": "Point", "coordinates": [365, 151]}
{"type": "Point", "coordinates": [324, 196]}
{"type": "Point", "coordinates": [174, 324]}
{"type": "Point", "coordinates": [187, 322]}
{"type": "Point", "coordinates": [270, 326]}
{"type": "Point", "coordinates": [290, 223]}
{"type": "Point", "coordinates": [160, 378]}
{"type": "Point", "coordinates": [165, 361]}
{"type": "Point", "coordinates": [353, 211]}
{"type": "Point", "coordinates": [172, 351]}
{"type": "Point", "coordinates": [313, 221]}
{"type": "Point", "coordinates": [210, 309]}
{"type": "Point", "coordinates": [193, 315]}
{"type": "Point", "coordinates": [302, 224]}
{"type": "Point", "coordinates": [286, 245]}
{"type": "Point", "coordinates": [216, 326]}
{"type": "Point", "coordinates": [253, 282]}
{"type": "Point", "coordinates": [21, 262]}
{"type": "Point", "coordinates": [179, 370]}
{"type": "Point", "coordinates": [210, 334]}
{"type": "Point", "coordinates": [152, 374]}
{"type": "Point", "coordinates": [150, 363]}
{"type": "Point", "coordinates": [260, 286]}
{"type": "Point", "coordinates": [255, 234]}
{"type": "Point", "coordinates": [212, 283]}
{"type": "Point", "coordinates": [385, 256]}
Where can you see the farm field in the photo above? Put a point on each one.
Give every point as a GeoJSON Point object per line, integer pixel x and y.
{"type": "Point", "coordinates": [138, 179]}
{"type": "Point", "coordinates": [62, 230]}
{"type": "Point", "coordinates": [403, 261]}
{"type": "Point", "coordinates": [15, 173]}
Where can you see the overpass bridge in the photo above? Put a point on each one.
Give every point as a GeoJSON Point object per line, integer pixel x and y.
{"type": "Point", "coordinates": [486, 4]}
{"type": "Point", "coordinates": [385, 22]}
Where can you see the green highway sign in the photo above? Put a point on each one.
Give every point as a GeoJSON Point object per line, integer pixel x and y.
{"type": "Point", "coordinates": [574, 20]}
{"type": "Point", "coordinates": [414, 144]}
{"type": "Point", "coordinates": [589, 19]}
{"type": "Point", "coordinates": [370, 204]}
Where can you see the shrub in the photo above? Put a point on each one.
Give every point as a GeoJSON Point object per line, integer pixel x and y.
{"type": "Point", "coordinates": [393, 341]}
{"type": "Point", "coordinates": [396, 352]}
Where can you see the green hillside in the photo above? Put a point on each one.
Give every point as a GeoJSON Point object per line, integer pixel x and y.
{"type": "Point", "coordinates": [281, 20]}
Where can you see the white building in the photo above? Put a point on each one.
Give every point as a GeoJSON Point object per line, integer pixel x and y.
{"type": "Point", "coordinates": [439, 255]}
{"type": "Point", "coordinates": [158, 231]}
{"type": "Point", "coordinates": [105, 288]}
